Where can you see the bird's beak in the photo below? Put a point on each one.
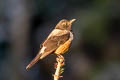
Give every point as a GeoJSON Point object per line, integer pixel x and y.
{"type": "Point", "coordinates": [71, 21]}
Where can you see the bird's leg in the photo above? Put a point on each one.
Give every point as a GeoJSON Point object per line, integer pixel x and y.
{"type": "Point", "coordinates": [60, 57]}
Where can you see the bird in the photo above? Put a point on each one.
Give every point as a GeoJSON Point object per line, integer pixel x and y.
{"type": "Point", "coordinates": [57, 42]}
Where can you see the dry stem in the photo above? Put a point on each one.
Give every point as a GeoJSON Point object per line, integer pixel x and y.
{"type": "Point", "coordinates": [60, 63]}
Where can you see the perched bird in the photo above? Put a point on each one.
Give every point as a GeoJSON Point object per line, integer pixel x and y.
{"type": "Point", "coordinates": [57, 42]}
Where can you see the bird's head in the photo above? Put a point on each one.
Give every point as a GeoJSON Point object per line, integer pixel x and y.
{"type": "Point", "coordinates": [65, 24]}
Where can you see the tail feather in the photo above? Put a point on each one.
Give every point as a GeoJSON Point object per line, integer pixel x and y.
{"type": "Point", "coordinates": [33, 61]}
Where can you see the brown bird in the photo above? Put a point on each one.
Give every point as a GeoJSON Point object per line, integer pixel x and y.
{"type": "Point", "coordinates": [57, 42]}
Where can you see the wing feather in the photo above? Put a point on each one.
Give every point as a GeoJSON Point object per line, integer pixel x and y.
{"type": "Point", "coordinates": [53, 42]}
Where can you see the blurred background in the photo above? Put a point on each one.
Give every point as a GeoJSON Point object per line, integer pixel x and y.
{"type": "Point", "coordinates": [95, 50]}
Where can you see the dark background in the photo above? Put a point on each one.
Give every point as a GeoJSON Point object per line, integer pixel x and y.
{"type": "Point", "coordinates": [95, 50]}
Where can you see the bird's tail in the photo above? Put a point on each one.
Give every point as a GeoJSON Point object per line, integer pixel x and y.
{"type": "Point", "coordinates": [33, 61]}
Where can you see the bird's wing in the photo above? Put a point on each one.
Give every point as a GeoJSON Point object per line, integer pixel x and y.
{"type": "Point", "coordinates": [53, 41]}
{"type": "Point", "coordinates": [55, 32]}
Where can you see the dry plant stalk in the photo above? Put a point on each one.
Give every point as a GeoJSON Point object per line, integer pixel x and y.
{"type": "Point", "coordinates": [60, 63]}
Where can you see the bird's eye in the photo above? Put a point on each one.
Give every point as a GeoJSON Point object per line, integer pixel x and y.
{"type": "Point", "coordinates": [64, 24]}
